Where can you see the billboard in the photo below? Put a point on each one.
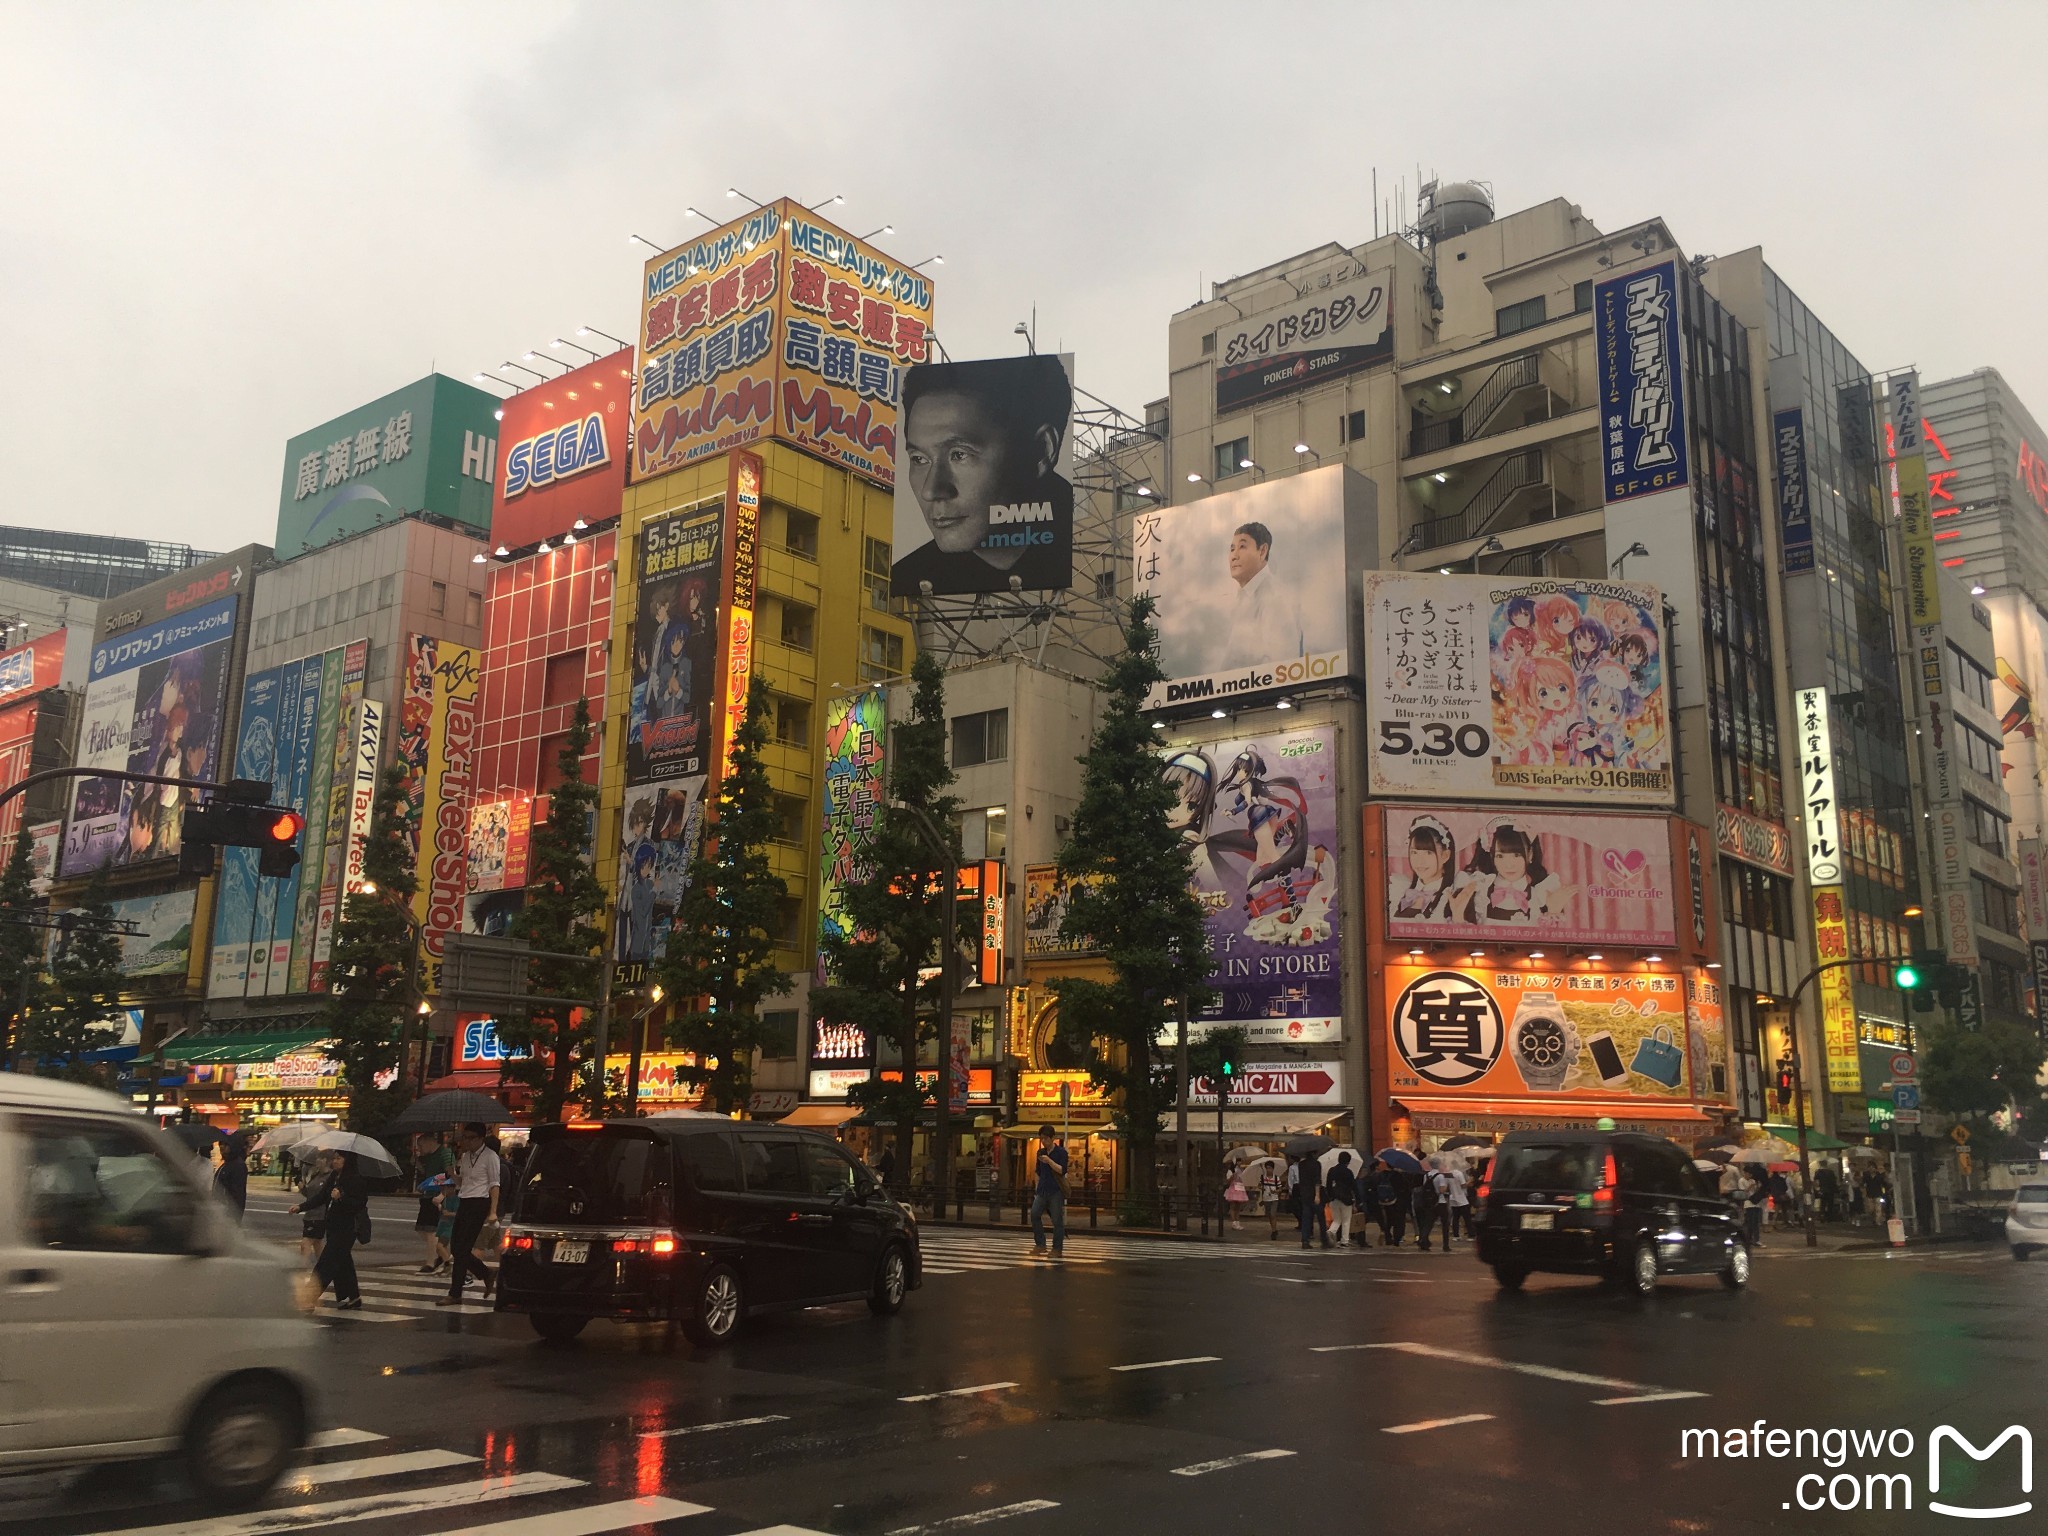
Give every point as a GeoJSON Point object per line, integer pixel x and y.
{"type": "Point", "coordinates": [1253, 585]}
{"type": "Point", "coordinates": [27, 670]}
{"type": "Point", "coordinates": [776, 325]}
{"type": "Point", "coordinates": [1795, 509]}
{"type": "Point", "coordinates": [985, 478]}
{"type": "Point", "coordinates": [1642, 398]}
{"type": "Point", "coordinates": [660, 824]}
{"type": "Point", "coordinates": [1504, 1033]}
{"type": "Point", "coordinates": [743, 488]}
{"type": "Point", "coordinates": [565, 452]}
{"type": "Point", "coordinates": [675, 645]}
{"type": "Point", "coordinates": [1259, 818]}
{"type": "Point", "coordinates": [155, 932]}
{"type": "Point", "coordinates": [1045, 910]}
{"type": "Point", "coordinates": [500, 834]}
{"type": "Point", "coordinates": [431, 446]}
{"type": "Point", "coordinates": [152, 705]}
{"type": "Point", "coordinates": [1559, 877]}
{"type": "Point", "coordinates": [856, 729]}
{"type": "Point", "coordinates": [437, 737]}
{"type": "Point", "coordinates": [1332, 331]}
{"type": "Point", "coordinates": [1539, 690]}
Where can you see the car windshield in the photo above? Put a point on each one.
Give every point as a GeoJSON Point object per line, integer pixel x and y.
{"type": "Point", "coordinates": [2031, 1194]}
{"type": "Point", "coordinates": [603, 1177]}
{"type": "Point", "coordinates": [1546, 1165]}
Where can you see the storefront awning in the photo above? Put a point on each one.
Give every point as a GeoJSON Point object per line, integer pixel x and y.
{"type": "Point", "coordinates": [822, 1116]}
{"type": "Point", "coordinates": [242, 1045]}
{"type": "Point", "coordinates": [1679, 1122]}
{"type": "Point", "coordinates": [1816, 1141]}
{"type": "Point", "coordinates": [1258, 1124]}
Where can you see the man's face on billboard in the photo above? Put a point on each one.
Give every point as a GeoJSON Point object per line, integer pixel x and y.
{"type": "Point", "coordinates": [960, 461]}
{"type": "Point", "coordinates": [1247, 559]}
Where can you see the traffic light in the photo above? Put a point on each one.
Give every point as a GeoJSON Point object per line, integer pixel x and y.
{"type": "Point", "coordinates": [1920, 977]}
{"type": "Point", "coordinates": [1784, 1081]}
{"type": "Point", "coordinates": [271, 830]}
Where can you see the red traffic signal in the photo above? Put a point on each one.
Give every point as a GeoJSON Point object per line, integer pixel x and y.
{"type": "Point", "coordinates": [272, 830]}
{"type": "Point", "coordinates": [285, 826]}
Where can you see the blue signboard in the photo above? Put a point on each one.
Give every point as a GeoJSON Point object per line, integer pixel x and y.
{"type": "Point", "coordinates": [1642, 403]}
{"type": "Point", "coordinates": [235, 906]}
{"type": "Point", "coordinates": [1795, 508]}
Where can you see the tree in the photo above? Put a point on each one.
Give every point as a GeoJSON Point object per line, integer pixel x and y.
{"type": "Point", "coordinates": [894, 924]}
{"type": "Point", "coordinates": [24, 977]}
{"type": "Point", "coordinates": [560, 917]}
{"type": "Point", "coordinates": [375, 973]}
{"type": "Point", "coordinates": [1972, 1074]}
{"type": "Point", "coordinates": [1128, 875]}
{"type": "Point", "coordinates": [85, 975]}
{"type": "Point", "coordinates": [719, 963]}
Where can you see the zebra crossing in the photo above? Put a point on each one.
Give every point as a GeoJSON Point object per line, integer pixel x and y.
{"type": "Point", "coordinates": [963, 1250]}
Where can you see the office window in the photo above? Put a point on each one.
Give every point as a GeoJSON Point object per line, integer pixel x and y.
{"type": "Point", "coordinates": [1128, 499]}
{"type": "Point", "coordinates": [473, 609]}
{"type": "Point", "coordinates": [1351, 426]}
{"type": "Point", "coordinates": [365, 601]}
{"type": "Point", "coordinates": [779, 1035]}
{"type": "Point", "coordinates": [377, 663]}
{"type": "Point", "coordinates": [798, 622]}
{"type": "Point", "coordinates": [341, 602]}
{"type": "Point", "coordinates": [800, 533]}
{"type": "Point", "coordinates": [1582, 296]}
{"type": "Point", "coordinates": [437, 597]}
{"type": "Point", "coordinates": [301, 617]}
{"type": "Point", "coordinates": [1518, 317]}
{"type": "Point", "coordinates": [792, 819]}
{"type": "Point", "coordinates": [875, 558]}
{"type": "Point", "coordinates": [387, 591]}
{"type": "Point", "coordinates": [789, 922]}
{"type": "Point", "coordinates": [262, 634]}
{"type": "Point", "coordinates": [1208, 344]}
{"type": "Point", "coordinates": [981, 738]}
{"type": "Point", "coordinates": [562, 681]}
{"type": "Point", "coordinates": [2002, 986]}
{"type": "Point", "coordinates": [792, 720]}
{"type": "Point", "coordinates": [550, 765]}
{"type": "Point", "coordinates": [1105, 585]}
{"type": "Point", "coordinates": [1230, 455]}
{"type": "Point", "coordinates": [323, 611]}
{"type": "Point", "coordinates": [1996, 906]}
{"type": "Point", "coordinates": [881, 655]}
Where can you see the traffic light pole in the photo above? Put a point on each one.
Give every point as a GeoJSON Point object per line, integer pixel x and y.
{"type": "Point", "coordinates": [51, 775]}
{"type": "Point", "coordinates": [1799, 1086]}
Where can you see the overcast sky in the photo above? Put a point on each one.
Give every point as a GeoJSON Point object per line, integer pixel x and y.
{"type": "Point", "coordinates": [221, 224]}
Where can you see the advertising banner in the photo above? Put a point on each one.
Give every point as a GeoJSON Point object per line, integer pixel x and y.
{"type": "Point", "coordinates": [311, 1071]}
{"type": "Point", "coordinates": [984, 485]}
{"type": "Point", "coordinates": [44, 839]}
{"type": "Point", "coordinates": [662, 823]}
{"type": "Point", "coordinates": [295, 736]}
{"type": "Point", "coordinates": [1259, 818]}
{"type": "Point", "coordinates": [743, 496]}
{"type": "Point", "coordinates": [1554, 1034]}
{"type": "Point", "coordinates": [1275, 1085]}
{"type": "Point", "coordinates": [1642, 401]}
{"type": "Point", "coordinates": [856, 729]}
{"type": "Point", "coordinates": [1252, 586]}
{"type": "Point", "coordinates": [437, 737]}
{"type": "Point", "coordinates": [1539, 690]}
{"type": "Point", "coordinates": [1837, 990]}
{"type": "Point", "coordinates": [675, 645]}
{"type": "Point", "coordinates": [778, 324]}
{"type": "Point", "coordinates": [1795, 510]}
{"type": "Point", "coordinates": [1915, 509]}
{"type": "Point", "coordinates": [152, 705]}
{"type": "Point", "coordinates": [234, 906]}
{"type": "Point", "coordinates": [1333, 331]}
{"type": "Point", "coordinates": [362, 789]}
{"type": "Point", "coordinates": [1708, 1026]}
{"type": "Point", "coordinates": [1045, 909]}
{"type": "Point", "coordinates": [17, 762]}
{"type": "Point", "coordinates": [565, 452]}
{"type": "Point", "coordinates": [1559, 877]}
{"type": "Point", "coordinates": [337, 735]}
{"type": "Point", "coordinates": [490, 834]}
{"type": "Point", "coordinates": [155, 932]}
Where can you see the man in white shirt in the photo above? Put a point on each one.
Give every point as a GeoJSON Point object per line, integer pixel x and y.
{"type": "Point", "coordinates": [1451, 1189]}
{"type": "Point", "coordinates": [477, 1172]}
{"type": "Point", "coordinates": [1265, 620]}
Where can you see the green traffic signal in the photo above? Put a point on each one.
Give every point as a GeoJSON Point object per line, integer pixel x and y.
{"type": "Point", "coordinates": [1906, 978]}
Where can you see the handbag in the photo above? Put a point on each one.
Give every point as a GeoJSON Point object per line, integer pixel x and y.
{"type": "Point", "coordinates": [363, 1227]}
{"type": "Point", "coordinates": [1658, 1058]}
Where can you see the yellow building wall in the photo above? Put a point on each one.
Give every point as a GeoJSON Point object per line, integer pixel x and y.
{"type": "Point", "coordinates": [849, 511]}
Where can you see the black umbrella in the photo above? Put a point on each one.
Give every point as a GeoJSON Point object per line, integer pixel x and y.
{"type": "Point", "coordinates": [1458, 1142]}
{"type": "Point", "coordinates": [198, 1136]}
{"type": "Point", "coordinates": [456, 1106]}
{"type": "Point", "coordinates": [1302, 1146]}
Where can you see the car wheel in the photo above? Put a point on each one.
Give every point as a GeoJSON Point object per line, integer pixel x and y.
{"type": "Point", "coordinates": [1642, 1268]}
{"type": "Point", "coordinates": [2022, 1254]}
{"type": "Point", "coordinates": [1735, 1273]}
{"type": "Point", "coordinates": [240, 1438]}
{"type": "Point", "coordinates": [892, 1282]}
{"type": "Point", "coordinates": [1510, 1276]}
{"type": "Point", "coordinates": [714, 1315]}
{"type": "Point", "coordinates": [555, 1328]}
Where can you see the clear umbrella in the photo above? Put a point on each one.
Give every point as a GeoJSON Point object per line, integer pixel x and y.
{"type": "Point", "coordinates": [371, 1156]}
{"type": "Point", "coordinates": [290, 1134]}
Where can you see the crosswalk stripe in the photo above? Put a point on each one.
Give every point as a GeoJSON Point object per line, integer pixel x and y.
{"type": "Point", "coordinates": [321, 1473]}
{"type": "Point", "coordinates": [307, 1517]}
{"type": "Point", "coordinates": [332, 1439]}
{"type": "Point", "coordinates": [589, 1521]}
{"type": "Point", "coordinates": [979, 1517]}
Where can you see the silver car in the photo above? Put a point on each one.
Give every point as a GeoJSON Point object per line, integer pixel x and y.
{"type": "Point", "coordinates": [2026, 1220]}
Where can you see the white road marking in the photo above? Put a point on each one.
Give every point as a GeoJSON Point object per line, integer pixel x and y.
{"type": "Point", "coordinates": [1465, 1357]}
{"type": "Point", "coordinates": [784, 1530]}
{"type": "Point", "coordinates": [1160, 1365]}
{"type": "Point", "coordinates": [930, 1397]}
{"type": "Point", "coordinates": [321, 1473]}
{"type": "Point", "coordinates": [590, 1521]}
{"type": "Point", "coordinates": [1647, 1397]}
{"type": "Point", "coordinates": [329, 1439]}
{"type": "Point", "coordinates": [1422, 1424]}
{"type": "Point", "coordinates": [700, 1429]}
{"type": "Point", "coordinates": [1201, 1467]}
{"type": "Point", "coordinates": [979, 1517]}
{"type": "Point", "coordinates": [309, 1517]}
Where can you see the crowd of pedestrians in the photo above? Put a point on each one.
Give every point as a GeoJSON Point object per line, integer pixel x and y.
{"type": "Point", "coordinates": [1329, 1199]}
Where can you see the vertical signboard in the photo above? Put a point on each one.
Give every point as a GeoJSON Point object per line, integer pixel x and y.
{"type": "Point", "coordinates": [675, 645]}
{"type": "Point", "coordinates": [744, 500]}
{"type": "Point", "coordinates": [338, 732]}
{"type": "Point", "coordinates": [1822, 815]}
{"type": "Point", "coordinates": [1795, 511]}
{"type": "Point", "coordinates": [437, 741]}
{"type": "Point", "coordinates": [1642, 406]}
{"type": "Point", "coordinates": [362, 790]}
{"type": "Point", "coordinates": [855, 730]}
{"type": "Point", "coordinates": [235, 904]}
{"type": "Point", "coordinates": [25, 672]}
{"type": "Point", "coordinates": [1916, 518]}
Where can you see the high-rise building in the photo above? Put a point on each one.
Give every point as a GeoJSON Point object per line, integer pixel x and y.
{"type": "Point", "coordinates": [91, 564]}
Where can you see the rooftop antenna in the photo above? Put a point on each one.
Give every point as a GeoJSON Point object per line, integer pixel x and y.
{"type": "Point", "coordinates": [1375, 202]}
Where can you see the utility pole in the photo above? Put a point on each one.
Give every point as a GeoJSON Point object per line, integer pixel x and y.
{"type": "Point", "coordinates": [949, 958]}
{"type": "Point", "coordinates": [1180, 1113]}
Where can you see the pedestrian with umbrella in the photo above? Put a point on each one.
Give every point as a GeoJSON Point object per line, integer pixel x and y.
{"type": "Point", "coordinates": [1343, 1198]}
{"type": "Point", "coordinates": [1390, 1201]}
{"type": "Point", "coordinates": [1306, 1180]}
{"type": "Point", "coordinates": [345, 1210]}
{"type": "Point", "coordinates": [231, 1178]}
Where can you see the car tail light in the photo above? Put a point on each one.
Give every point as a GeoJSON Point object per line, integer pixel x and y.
{"type": "Point", "coordinates": [1603, 1197]}
{"type": "Point", "coordinates": [1486, 1182]}
{"type": "Point", "coordinates": [662, 1246]}
{"type": "Point", "coordinates": [586, 1125]}
{"type": "Point", "coordinates": [520, 1242]}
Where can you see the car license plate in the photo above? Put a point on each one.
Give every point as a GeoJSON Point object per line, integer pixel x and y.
{"type": "Point", "coordinates": [572, 1253]}
{"type": "Point", "coordinates": [1538, 1221]}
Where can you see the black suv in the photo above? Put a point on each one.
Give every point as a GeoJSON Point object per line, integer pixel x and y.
{"type": "Point", "coordinates": [698, 1220]}
{"type": "Point", "coordinates": [1611, 1203]}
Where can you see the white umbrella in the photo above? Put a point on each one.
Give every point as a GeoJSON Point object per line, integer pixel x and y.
{"type": "Point", "coordinates": [371, 1156]}
{"type": "Point", "coordinates": [1255, 1170]}
{"type": "Point", "coordinates": [1756, 1155]}
{"type": "Point", "coordinates": [1329, 1160]}
{"type": "Point", "coordinates": [1706, 1165]}
{"type": "Point", "coordinates": [290, 1134]}
{"type": "Point", "coordinates": [1245, 1154]}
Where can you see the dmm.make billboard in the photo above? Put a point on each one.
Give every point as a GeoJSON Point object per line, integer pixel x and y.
{"type": "Point", "coordinates": [564, 452]}
{"type": "Point", "coordinates": [777, 325]}
{"type": "Point", "coordinates": [431, 446]}
{"type": "Point", "coordinates": [298, 732]}
{"type": "Point", "coordinates": [1259, 818]}
{"type": "Point", "coordinates": [437, 740]}
{"type": "Point", "coordinates": [1539, 690]}
{"type": "Point", "coordinates": [153, 703]}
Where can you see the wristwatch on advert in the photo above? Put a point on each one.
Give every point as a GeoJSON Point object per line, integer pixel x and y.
{"type": "Point", "coordinates": [1542, 1041]}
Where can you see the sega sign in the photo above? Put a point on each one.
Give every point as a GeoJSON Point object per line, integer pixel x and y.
{"type": "Point", "coordinates": [546, 457]}
{"type": "Point", "coordinates": [481, 1047]}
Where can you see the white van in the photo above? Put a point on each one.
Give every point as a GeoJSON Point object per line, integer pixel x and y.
{"type": "Point", "coordinates": [136, 1319]}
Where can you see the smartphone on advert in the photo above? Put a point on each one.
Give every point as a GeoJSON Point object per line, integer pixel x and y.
{"type": "Point", "coordinates": [1607, 1058]}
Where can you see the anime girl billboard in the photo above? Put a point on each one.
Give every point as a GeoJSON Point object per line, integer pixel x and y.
{"type": "Point", "coordinates": [1259, 818]}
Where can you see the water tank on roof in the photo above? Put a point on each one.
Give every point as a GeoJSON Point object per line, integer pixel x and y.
{"type": "Point", "coordinates": [1456, 208]}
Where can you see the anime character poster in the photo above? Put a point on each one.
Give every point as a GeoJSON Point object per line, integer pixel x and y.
{"type": "Point", "coordinates": [1558, 876]}
{"type": "Point", "coordinates": [856, 730]}
{"type": "Point", "coordinates": [1259, 817]}
{"type": "Point", "coordinates": [675, 646]}
{"type": "Point", "coordinates": [660, 827]}
{"type": "Point", "coordinates": [1542, 690]}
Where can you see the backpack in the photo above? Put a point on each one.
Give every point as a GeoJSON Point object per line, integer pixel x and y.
{"type": "Point", "coordinates": [1344, 1186]}
{"type": "Point", "coordinates": [1425, 1195]}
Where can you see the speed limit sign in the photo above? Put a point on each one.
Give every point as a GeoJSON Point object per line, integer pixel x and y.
{"type": "Point", "coordinates": [1904, 1065]}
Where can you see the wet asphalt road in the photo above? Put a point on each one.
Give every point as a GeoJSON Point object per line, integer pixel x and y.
{"type": "Point", "coordinates": [1156, 1388]}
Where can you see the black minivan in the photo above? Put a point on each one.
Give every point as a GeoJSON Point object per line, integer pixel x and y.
{"type": "Point", "coordinates": [698, 1220]}
{"type": "Point", "coordinates": [1618, 1204]}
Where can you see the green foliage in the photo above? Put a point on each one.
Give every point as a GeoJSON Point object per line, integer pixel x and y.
{"type": "Point", "coordinates": [893, 918]}
{"type": "Point", "coordinates": [1973, 1073]}
{"type": "Point", "coordinates": [24, 974]}
{"type": "Point", "coordinates": [561, 914]}
{"type": "Point", "coordinates": [719, 963]}
{"type": "Point", "coordinates": [1207, 1055]}
{"type": "Point", "coordinates": [85, 976]}
{"type": "Point", "coordinates": [1137, 908]}
{"type": "Point", "coordinates": [373, 979]}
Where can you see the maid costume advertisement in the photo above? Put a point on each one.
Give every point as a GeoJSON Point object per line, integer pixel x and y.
{"type": "Point", "coordinates": [1260, 821]}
